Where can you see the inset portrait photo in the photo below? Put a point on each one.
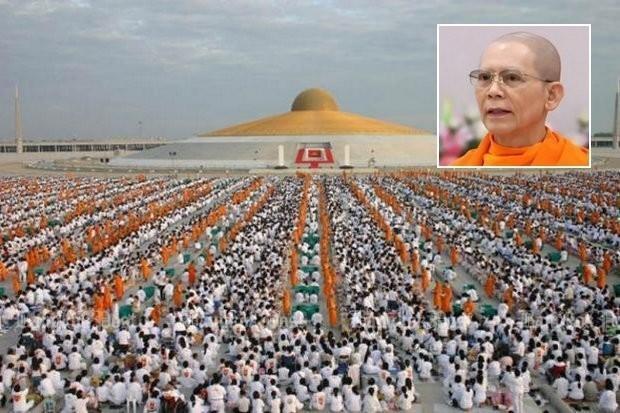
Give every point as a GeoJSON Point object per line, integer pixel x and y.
{"type": "Point", "coordinates": [513, 96]}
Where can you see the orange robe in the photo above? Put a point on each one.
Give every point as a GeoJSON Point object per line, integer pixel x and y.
{"type": "Point", "coordinates": [177, 296]}
{"type": "Point", "coordinates": [286, 302]}
{"type": "Point", "coordinates": [98, 309]}
{"type": "Point", "coordinates": [107, 298]}
{"type": "Point", "coordinates": [156, 314]}
{"type": "Point", "coordinates": [508, 298]}
{"type": "Point", "coordinates": [437, 294]}
{"type": "Point", "coordinates": [559, 241]}
{"type": "Point", "coordinates": [415, 263]}
{"type": "Point", "coordinates": [4, 271]}
{"type": "Point", "coordinates": [583, 252]}
{"type": "Point", "coordinates": [454, 256]}
{"type": "Point", "coordinates": [553, 150]}
{"type": "Point", "coordinates": [601, 278]}
{"type": "Point", "coordinates": [587, 274]}
{"type": "Point", "coordinates": [446, 299]}
{"type": "Point", "coordinates": [469, 307]}
{"type": "Point", "coordinates": [439, 244]}
{"type": "Point", "coordinates": [119, 287]}
{"type": "Point", "coordinates": [489, 286]}
{"type": "Point", "coordinates": [145, 269]}
{"type": "Point", "coordinates": [607, 263]}
{"type": "Point", "coordinates": [191, 272]}
{"type": "Point", "coordinates": [30, 278]}
{"type": "Point", "coordinates": [518, 239]}
{"type": "Point", "coordinates": [426, 279]}
{"type": "Point", "coordinates": [17, 286]}
{"type": "Point", "coordinates": [332, 312]}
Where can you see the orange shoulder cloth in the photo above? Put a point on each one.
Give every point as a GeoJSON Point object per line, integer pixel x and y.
{"type": "Point", "coordinates": [553, 150]}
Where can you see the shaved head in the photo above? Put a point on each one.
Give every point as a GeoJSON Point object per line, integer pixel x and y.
{"type": "Point", "coordinates": [547, 61]}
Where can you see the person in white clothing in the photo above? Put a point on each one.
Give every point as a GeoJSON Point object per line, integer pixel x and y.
{"type": "Point", "coordinates": [275, 403]}
{"type": "Point", "coordinates": [291, 402]}
{"type": "Point", "coordinates": [258, 405]}
{"type": "Point", "coordinates": [353, 400]}
{"type": "Point", "coordinates": [216, 395]}
{"type": "Point", "coordinates": [46, 387]}
{"type": "Point", "coordinates": [515, 385]}
{"type": "Point", "coordinates": [18, 396]}
{"type": "Point", "coordinates": [561, 387]}
{"type": "Point", "coordinates": [607, 403]}
{"type": "Point", "coordinates": [118, 393]}
{"type": "Point", "coordinates": [371, 404]}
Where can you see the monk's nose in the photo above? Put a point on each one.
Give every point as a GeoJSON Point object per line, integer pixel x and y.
{"type": "Point", "coordinates": [495, 89]}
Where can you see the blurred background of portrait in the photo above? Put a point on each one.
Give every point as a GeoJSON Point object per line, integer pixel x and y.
{"type": "Point", "coordinates": [459, 50]}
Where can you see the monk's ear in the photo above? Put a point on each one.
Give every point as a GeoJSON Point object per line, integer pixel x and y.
{"type": "Point", "coordinates": [555, 93]}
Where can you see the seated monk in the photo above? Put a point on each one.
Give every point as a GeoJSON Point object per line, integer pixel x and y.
{"type": "Point", "coordinates": [469, 307]}
{"type": "Point", "coordinates": [517, 85]}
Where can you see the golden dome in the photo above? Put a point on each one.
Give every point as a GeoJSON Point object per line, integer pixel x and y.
{"type": "Point", "coordinates": [314, 99]}
{"type": "Point", "coordinates": [315, 112]}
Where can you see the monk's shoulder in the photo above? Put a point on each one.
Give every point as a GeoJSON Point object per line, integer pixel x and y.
{"type": "Point", "coordinates": [469, 159]}
{"type": "Point", "coordinates": [573, 154]}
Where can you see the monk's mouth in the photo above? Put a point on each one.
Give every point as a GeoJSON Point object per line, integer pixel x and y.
{"type": "Point", "coordinates": [498, 112]}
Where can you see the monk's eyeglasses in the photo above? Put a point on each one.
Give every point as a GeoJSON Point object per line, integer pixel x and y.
{"type": "Point", "coordinates": [512, 78]}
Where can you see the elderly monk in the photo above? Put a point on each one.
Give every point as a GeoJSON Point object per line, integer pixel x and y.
{"type": "Point", "coordinates": [517, 85]}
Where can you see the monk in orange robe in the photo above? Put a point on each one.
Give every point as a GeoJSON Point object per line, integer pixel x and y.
{"type": "Point", "coordinates": [286, 302]}
{"type": "Point", "coordinates": [587, 274]}
{"type": "Point", "coordinates": [98, 308]}
{"type": "Point", "coordinates": [415, 263]}
{"type": "Point", "coordinates": [145, 269]}
{"type": "Point", "coordinates": [119, 287]}
{"type": "Point", "coordinates": [177, 295]}
{"type": "Point", "coordinates": [208, 259]}
{"type": "Point", "coordinates": [156, 314]}
{"type": "Point", "coordinates": [332, 312]}
{"type": "Point", "coordinates": [601, 278]}
{"type": "Point", "coordinates": [426, 279]}
{"type": "Point", "coordinates": [607, 262]}
{"type": "Point", "coordinates": [508, 298]}
{"type": "Point", "coordinates": [437, 294]}
{"type": "Point", "coordinates": [583, 252]}
{"type": "Point", "coordinates": [517, 85]}
{"type": "Point", "coordinates": [30, 278]}
{"type": "Point", "coordinates": [191, 273]}
{"type": "Point", "coordinates": [489, 286]}
{"type": "Point", "coordinates": [107, 298]}
{"type": "Point", "coordinates": [454, 256]}
{"type": "Point", "coordinates": [165, 255]}
{"type": "Point", "coordinates": [469, 307]}
{"type": "Point", "coordinates": [17, 286]}
{"type": "Point", "coordinates": [4, 271]}
{"type": "Point", "coordinates": [559, 241]}
{"type": "Point", "coordinates": [439, 244]}
{"type": "Point", "coordinates": [446, 299]}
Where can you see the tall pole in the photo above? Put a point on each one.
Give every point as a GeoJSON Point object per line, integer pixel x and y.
{"type": "Point", "coordinates": [19, 143]}
{"type": "Point", "coordinates": [616, 137]}
{"type": "Point", "coordinates": [281, 156]}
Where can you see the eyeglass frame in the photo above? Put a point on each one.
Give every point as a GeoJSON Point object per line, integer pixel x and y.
{"type": "Point", "coordinates": [498, 78]}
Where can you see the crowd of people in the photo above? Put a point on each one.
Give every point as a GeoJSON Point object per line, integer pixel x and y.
{"type": "Point", "coordinates": [296, 293]}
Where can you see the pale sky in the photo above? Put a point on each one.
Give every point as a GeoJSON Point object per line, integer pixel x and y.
{"type": "Point", "coordinates": [95, 69]}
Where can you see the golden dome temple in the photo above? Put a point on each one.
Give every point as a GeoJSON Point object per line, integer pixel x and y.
{"type": "Point", "coordinates": [315, 133]}
{"type": "Point", "coordinates": [315, 112]}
